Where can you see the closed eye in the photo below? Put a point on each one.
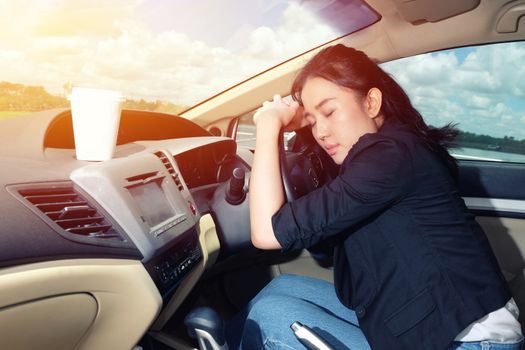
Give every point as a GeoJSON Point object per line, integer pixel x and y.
{"type": "Point", "coordinates": [310, 120]}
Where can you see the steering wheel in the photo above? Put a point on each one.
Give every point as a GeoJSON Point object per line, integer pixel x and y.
{"type": "Point", "coordinates": [305, 167]}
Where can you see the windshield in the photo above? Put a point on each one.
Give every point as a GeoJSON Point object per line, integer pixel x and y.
{"type": "Point", "coordinates": [163, 55]}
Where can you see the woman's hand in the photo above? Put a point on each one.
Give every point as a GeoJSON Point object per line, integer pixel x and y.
{"type": "Point", "coordinates": [281, 114]}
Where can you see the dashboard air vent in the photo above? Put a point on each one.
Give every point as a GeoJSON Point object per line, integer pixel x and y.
{"type": "Point", "coordinates": [70, 211]}
{"type": "Point", "coordinates": [167, 164]}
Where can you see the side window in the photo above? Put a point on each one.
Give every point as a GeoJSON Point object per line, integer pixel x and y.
{"type": "Point", "coordinates": [481, 88]}
{"type": "Point", "coordinates": [246, 131]}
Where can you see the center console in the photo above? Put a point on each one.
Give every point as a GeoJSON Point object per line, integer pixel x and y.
{"type": "Point", "coordinates": [147, 197]}
{"type": "Point", "coordinates": [167, 269]}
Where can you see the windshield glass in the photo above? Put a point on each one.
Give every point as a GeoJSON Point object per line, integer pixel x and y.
{"type": "Point", "coordinates": [162, 55]}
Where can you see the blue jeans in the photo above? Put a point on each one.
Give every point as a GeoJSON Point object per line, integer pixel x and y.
{"type": "Point", "coordinates": [265, 322]}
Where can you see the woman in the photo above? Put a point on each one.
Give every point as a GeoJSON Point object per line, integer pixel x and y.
{"type": "Point", "coordinates": [412, 269]}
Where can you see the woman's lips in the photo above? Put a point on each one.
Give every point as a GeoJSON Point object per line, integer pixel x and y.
{"type": "Point", "coordinates": [331, 149]}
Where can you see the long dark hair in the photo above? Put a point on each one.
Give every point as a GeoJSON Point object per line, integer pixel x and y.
{"type": "Point", "coordinates": [353, 69]}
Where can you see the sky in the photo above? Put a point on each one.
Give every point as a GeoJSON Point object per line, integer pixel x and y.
{"type": "Point", "coordinates": [481, 88]}
{"type": "Point", "coordinates": [184, 52]}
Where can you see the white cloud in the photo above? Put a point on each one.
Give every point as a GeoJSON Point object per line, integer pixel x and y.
{"type": "Point", "coordinates": [108, 45]}
{"type": "Point", "coordinates": [483, 91]}
{"type": "Point", "coordinates": [480, 102]}
{"type": "Point", "coordinates": [264, 43]}
{"type": "Point", "coordinates": [423, 70]}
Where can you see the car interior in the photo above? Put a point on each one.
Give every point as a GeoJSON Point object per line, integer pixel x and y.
{"type": "Point", "coordinates": [116, 254]}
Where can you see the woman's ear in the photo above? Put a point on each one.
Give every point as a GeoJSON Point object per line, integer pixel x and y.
{"type": "Point", "coordinates": [374, 99]}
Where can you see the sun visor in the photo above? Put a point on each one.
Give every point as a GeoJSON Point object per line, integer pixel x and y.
{"type": "Point", "coordinates": [421, 11]}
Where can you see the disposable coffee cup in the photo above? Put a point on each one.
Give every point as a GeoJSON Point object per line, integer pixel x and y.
{"type": "Point", "coordinates": [96, 118]}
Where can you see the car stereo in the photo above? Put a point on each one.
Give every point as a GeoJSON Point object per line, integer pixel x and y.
{"type": "Point", "coordinates": [143, 197]}
{"type": "Point", "coordinates": [158, 211]}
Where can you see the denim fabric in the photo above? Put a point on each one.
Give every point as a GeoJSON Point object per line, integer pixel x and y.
{"type": "Point", "coordinates": [265, 324]}
{"type": "Point", "coordinates": [486, 345]}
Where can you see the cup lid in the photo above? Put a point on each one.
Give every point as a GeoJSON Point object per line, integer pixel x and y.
{"type": "Point", "coordinates": [85, 92]}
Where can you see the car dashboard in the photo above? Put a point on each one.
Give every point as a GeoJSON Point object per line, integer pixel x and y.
{"type": "Point", "coordinates": [152, 203]}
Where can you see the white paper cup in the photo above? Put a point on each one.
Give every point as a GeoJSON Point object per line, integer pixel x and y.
{"type": "Point", "coordinates": [96, 118]}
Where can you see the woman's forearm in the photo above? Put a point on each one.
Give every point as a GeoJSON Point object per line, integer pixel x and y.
{"type": "Point", "coordinates": [266, 193]}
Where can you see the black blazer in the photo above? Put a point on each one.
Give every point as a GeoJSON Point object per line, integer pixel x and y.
{"type": "Point", "coordinates": [409, 257]}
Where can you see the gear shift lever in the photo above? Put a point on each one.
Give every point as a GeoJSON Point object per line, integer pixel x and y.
{"type": "Point", "coordinates": [235, 193]}
{"type": "Point", "coordinates": [207, 326]}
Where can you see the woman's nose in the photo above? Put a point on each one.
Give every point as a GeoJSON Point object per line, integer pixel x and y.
{"type": "Point", "coordinates": [321, 131]}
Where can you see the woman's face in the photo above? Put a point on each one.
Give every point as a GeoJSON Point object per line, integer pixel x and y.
{"type": "Point", "coordinates": [338, 116]}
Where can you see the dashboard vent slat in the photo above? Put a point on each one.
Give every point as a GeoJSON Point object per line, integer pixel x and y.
{"type": "Point", "coordinates": [167, 164]}
{"type": "Point", "coordinates": [82, 222]}
{"type": "Point", "coordinates": [88, 230]}
{"type": "Point", "coordinates": [142, 176]}
{"type": "Point", "coordinates": [53, 198]}
{"type": "Point", "coordinates": [50, 207]}
{"type": "Point", "coordinates": [68, 209]}
{"type": "Point", "coordinates": [56, 215]}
